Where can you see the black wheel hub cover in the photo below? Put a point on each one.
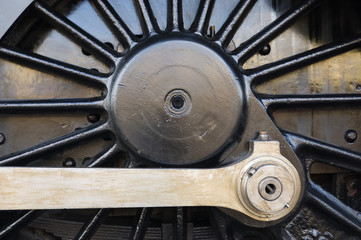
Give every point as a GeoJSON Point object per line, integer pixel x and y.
{"type": "Point", "coordinates": [178, 102]}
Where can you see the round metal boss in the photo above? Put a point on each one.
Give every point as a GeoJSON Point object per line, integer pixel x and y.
{"type": "Point", "coordinates": [177, 102]}
{"type": "Point", "coordinates": [268, 187]}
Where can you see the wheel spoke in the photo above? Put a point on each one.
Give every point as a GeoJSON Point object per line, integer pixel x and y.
{"type": "Point", "coordinates": [29, 154]}
{"type": "Point", "coordinates": [89, 228]}
{"type": "Point", "coordinates": [333, 207]}
{"type": "Point", "coordinates": [146, 17]}
{"type": "Point", "coordinates": [175, 15]}
{"type": "Point", "coordinates": [80, 36]}
{"type": "Point", "coordinates": [181, 223]}
{"type": "Point", "coordinates": [233, 22]}
{"type": "Point", "coordinates": [140, 228]}
{"type": "Point", "coordinates": [105, 156]}
{"type": "Point", "coordinates": [275, 69]}
{"type": "Point", "coordinates": [19, 223]}
{"type": "Point", "coordinates": [121, 30]}
{"type": "Point", "coordinates": [256, 42]}
{"type": "Point", "coordinates": [323, 152]}
{"type": "Point", "coordinates": [55, 105]}
{"type": "Point", "coordinates": [309, 100]}
{"type": "Point", "coordinates": [201, 21]}
{"type": "Point", "coordinates": [51, 65]}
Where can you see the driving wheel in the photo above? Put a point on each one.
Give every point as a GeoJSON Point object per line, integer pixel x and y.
{"type": "Point", "coordinates": [182, 85]}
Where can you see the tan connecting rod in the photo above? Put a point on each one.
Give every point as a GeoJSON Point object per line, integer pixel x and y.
{"type": "Point", "coordinates": [264, 186]}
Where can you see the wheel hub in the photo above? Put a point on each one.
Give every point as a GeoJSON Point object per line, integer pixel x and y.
{"type": "Point", "coordinates": [269, 186]}
{"type": "Point", "coordinates": [177, 102]}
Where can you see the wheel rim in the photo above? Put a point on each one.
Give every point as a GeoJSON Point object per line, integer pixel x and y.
{"type": "Point", "coordinates": [98, 110]}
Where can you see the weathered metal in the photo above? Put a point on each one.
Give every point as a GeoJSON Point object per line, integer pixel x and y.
{"type": "Point", "coordinates": [298, 70]}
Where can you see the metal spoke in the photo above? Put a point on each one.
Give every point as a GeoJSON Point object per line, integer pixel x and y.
{"type": "Point", "coordinates": [105, 156]}
{"type": "Point", "coordinates": [116, 23]}
{"type": "Point", "coordinates": [27, 155]}
{"type": "Point", "coordinates": [175, 15]}
{"type": "Point", "coordinates": [323, 152]}
{"type": "Point", "coordinates": [51, 65]}
{"type": "Point", "coordinates": [330, 205]}
{"type": "Point", "coordinates": [19, 223]}
{"type": "Point", "coordinates": [256, 42]}
{"type": "Point", "coordinates": [201, 21]}
{"type": "Point", "coordinates": [227, 228]}
{"type": "Point", "coordinates": [233, 22]}
{"type": "Point", "coordinates": [89, 228]}
{"type": "Point", "coordinates": [275, 69]}
{"type": "Point", "coordinates": [140, 228]}
{"type": "Point", "coordinates": [310, 100]}
{"type": "Point", "coordinates": [146, 17]}
{"type": "Point", "coordinates": [87, 41]}
{"type": "Point", "coordinates": [55, 105]}
{"type": "Point", "coordinates": [181, 223]}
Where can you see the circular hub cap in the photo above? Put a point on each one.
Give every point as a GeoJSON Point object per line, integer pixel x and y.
{"type": "Point", "coordinates": [177, 102]}
{"type": "Point", "coordinates": [269, 187]}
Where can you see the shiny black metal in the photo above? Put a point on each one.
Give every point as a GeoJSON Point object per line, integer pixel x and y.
{"type": "Point", "coordinates": [14, 227]}
{"type": "Point", "coordinates": [255, 43]}
{"type": "Point", "coordinates": [312, 150]}
{"type": "Point", "coordinates": [27, 155]}
{"type": "Point", "coordinates": [174, 17]}
{"type": "Point", "coordinates": [2, 138]}
{"type": "Point", "coordinates": [201, 21]}
{"type": "Point", "coordinates": [180, 225]}
{"type": "Point", "coordinates": [257, 106]}
{"type": "Point", "coordinates": [91, 44]}
{"type": "Point", "coordinates": [350, 135]}
{"type": "Point", "coordinates": [226, 228]}
{"type": "Point", "coordinates": [281, 67]}
{"type": "Point", "coordinates": [332, 206]}
{"type": "Point", "coordinates": [233, 22]}
{"type": "Point", "coordinates": [210, 119]}
{"type": "Point", "coordinates": [265, 50]}
{"type": "Point", "coordinates": [279, 101]}
{"type": "Point", "coordinates": [53, 105]}
{"type": "Point", "coordinates": [89, 228]}
{"type": "Point", "coordinates": [323, 152]}
{"type": "Point", "coordinates": [115, 22]}
{"type": "Point", "coordinates": [104, 157]}
{"type": "Point", "coordinates": [147, 20]}
{"type": "Point", "coordinates": [139, 229]}
{"type": "Point", "coordinates": [46, 64]}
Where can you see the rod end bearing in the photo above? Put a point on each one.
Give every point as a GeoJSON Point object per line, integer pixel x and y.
{"type": "Point", "coordinates": [269, 186]}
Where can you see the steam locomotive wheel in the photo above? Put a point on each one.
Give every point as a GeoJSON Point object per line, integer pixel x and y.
{"type": "Point", "coordinates": [185, 84]}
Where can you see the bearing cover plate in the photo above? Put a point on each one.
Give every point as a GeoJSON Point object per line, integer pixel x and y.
{"type": "Point", "coordinates": [263, 171]}
{"type": "Point", "coordinates": [205, 88]}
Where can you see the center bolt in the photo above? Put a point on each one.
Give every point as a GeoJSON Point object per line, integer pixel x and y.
{"type": "Point", "coordinates": [270, 188]}
{"type": "Point", "coordinates": [178, 103]}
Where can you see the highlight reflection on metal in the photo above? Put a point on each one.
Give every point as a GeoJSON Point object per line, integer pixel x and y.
{"type": "Point", "coordinates": [308, 82]}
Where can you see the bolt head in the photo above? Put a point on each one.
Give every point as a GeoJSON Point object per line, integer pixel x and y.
{"type": "Point", "coordinates": [2, 138]}
{"type": "Point", "coordinates": [69, 162]}
{"type": "Point", "coordinates": [263, 136]}
{"type": "Point", "coordinates": [350, 135]}
{"type": "Point", "coordinates": [251, 171]}
{"type": "Point", "coordinates": [265, 50]}
{"type": "Point", "coordinates": [93, 117]}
